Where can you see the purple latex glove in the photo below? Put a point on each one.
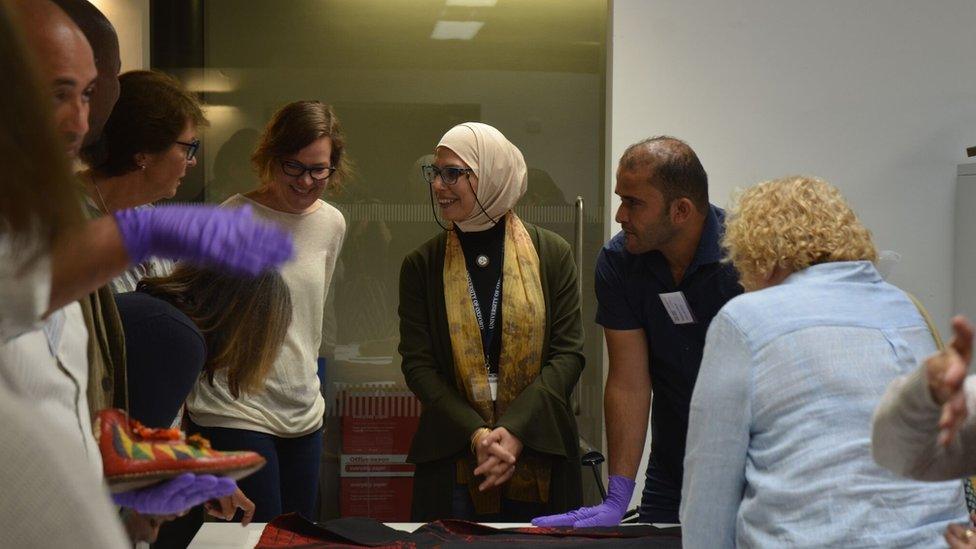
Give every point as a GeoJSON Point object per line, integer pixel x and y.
{"type": "Point", "coordinates": [176, 495]}
{"type": "Point", "coordinates": [608, 513]}
{"type": "Point", "coordinates": [231, 239]}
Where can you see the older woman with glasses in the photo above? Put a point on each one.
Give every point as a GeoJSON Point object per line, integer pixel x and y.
{"type": "Point", "coordinates": [299, 155]}
{"type": "Point", "coordinates": [148, 142]}
{"type": "Point", "coordinates": [491, 340]}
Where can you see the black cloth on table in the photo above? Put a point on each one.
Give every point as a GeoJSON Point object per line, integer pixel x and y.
{"type": "Point", "coordinates": [293, 531]}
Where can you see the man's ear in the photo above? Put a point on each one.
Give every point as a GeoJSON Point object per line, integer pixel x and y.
{"type": "Point", "coordinates": [681, 210]}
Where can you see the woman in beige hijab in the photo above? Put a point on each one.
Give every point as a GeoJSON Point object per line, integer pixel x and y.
{"type": "Point", "coordinates": [491, 340]}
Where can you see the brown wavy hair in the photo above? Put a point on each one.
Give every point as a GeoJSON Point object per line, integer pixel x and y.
{"type": "Point", "coordinates": [40, 201]}
{"type": "Point", "coordinates": [792, 223]}
{"type": "Point", "coordinates": [294, 127]}
{"type": "Point", "coordinates": [243, 320]}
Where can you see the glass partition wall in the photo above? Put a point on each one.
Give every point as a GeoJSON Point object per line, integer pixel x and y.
{"type": "Point", "coordinates": [399, 74]}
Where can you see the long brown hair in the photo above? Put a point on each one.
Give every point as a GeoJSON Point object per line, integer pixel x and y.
{"type": "Point", "coordinates": [40, 200]}
{"type": "Point", "coordinates": [243, 320]}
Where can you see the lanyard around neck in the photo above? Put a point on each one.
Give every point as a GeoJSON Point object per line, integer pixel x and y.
{"type": "Point", "coordinates": [487, 332]}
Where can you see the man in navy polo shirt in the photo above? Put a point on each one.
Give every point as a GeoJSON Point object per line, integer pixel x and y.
{"type": "Point", "coordinates": [659, 282]}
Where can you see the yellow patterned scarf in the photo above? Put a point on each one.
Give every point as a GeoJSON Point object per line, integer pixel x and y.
{"type": "Point", "coordinates": [523, 330]}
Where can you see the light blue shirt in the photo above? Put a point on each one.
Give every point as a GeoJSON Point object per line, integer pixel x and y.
{"type": "Point", "coordinates": [779, 437]}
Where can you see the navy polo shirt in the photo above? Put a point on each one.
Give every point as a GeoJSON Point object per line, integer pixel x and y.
{"type": "Point", "coordinates": [627, 289]}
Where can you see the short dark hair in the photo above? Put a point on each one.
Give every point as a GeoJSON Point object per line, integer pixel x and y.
{"type": "Point", "coordinates": [675, 168]}
{"type": "Point", "coordinates": [294, 127]}
{"type": "Point", "coordinates": [152, 110]}
{"type": "Point", "coordinates": [95, 26]}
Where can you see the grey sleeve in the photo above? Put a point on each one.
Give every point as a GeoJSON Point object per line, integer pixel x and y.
{"type": "Point", "coordinates": [905, 430]}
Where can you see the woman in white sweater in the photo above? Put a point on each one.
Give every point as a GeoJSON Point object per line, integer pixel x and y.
{"type": "Point", "coordinates": [300, 153]}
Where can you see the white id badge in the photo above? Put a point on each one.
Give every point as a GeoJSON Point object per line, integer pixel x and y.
{"type": "Point", "coordinates": [677, 307]}
{"type": "Point", "coordinates": [493, 386]}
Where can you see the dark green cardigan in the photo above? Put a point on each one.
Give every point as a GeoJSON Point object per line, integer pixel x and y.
{"type": "Point", "coordinates": [541, 417]}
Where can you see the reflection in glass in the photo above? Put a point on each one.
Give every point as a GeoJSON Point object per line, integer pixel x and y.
{"type": "Point", "coordinates": [535, 69]}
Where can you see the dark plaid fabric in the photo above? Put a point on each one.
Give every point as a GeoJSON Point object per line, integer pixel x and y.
{"type": "Point", "coordinates": [294, 532]}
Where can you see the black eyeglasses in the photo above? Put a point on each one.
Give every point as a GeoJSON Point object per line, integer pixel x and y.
{"type": "Point", "coordinates": [297, 169]}
{"type": "Point", "coordinates": [191, 148]}
{"type": "Point", "coordinates": [449, 174]}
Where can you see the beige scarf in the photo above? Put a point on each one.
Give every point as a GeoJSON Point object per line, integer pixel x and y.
{"type": "Point", "coordinates": [523, 331]}
{"type": "Point", "coordinates": [499, 166]}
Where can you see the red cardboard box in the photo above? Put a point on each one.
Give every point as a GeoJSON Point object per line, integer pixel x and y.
{"type": "Point", "coordinates": [378, 422]}
{"type": "Point", "coordinates": [383, 498]}
{"type": "Point", "coordinates": [377, 427]}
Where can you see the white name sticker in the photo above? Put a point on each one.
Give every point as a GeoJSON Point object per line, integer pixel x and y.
{"type": "Point", "coordinates": [677, 307]}
{"type": "Point", "coordinates": [493, 386]}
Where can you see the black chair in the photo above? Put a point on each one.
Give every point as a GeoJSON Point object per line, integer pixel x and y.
{"type": "Point", "coordinates": [593, 459]}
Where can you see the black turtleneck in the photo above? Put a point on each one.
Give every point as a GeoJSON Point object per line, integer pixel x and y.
{"type": "Point", "coordinates": [491, 243]}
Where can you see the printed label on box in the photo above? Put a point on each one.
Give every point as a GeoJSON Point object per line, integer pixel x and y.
{"type": "Point", "coordinates": [378, 422]}
{"type": "Point", "coordinates": [382, 498]}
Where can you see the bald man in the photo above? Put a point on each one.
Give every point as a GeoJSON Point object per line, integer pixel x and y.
{"type": "Point", "coordinates": [104, 42]}
{"type": "Point", "coordinates": [66, 62]}
{"type": "Point", "coordinates": [51, 366]}
{"type": "Point", "coordinates": [67, 65]}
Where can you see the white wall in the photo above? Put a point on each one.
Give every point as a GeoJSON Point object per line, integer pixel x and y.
{"type": "Point", "coordinates": [876, 96]}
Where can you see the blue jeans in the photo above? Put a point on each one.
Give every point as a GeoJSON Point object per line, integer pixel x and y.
{"type": "Point", "coordinates": [660, 499]}
{"type": "Point", "coordinates": [288, 482]}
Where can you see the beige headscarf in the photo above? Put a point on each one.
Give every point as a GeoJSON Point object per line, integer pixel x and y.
{"type": "Point", "coordinates": [500, 168]}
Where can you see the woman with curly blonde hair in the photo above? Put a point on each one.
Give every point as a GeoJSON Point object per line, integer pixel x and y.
{"type": "Point", "coordinates": [779, 435]}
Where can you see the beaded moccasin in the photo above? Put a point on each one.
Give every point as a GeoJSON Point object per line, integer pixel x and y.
{"type": "Point", "coordinates": [134, 456]}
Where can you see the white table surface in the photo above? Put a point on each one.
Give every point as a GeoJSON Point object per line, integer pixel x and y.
{"type": "Point", "coordinates": [224, 535]}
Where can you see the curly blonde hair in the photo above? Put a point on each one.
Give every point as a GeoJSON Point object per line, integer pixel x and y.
{"type": "Point", "coordinates": [792, 223]}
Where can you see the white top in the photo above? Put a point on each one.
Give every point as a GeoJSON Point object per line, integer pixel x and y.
{"type": "Point", "coordinates": [25, 291]}
{"type": "Point", "coordinates": [291, 404]}
{"type": "Point", "coordinates": [48, 500]}
{"type": "Point", "coordinates": [49, 368]}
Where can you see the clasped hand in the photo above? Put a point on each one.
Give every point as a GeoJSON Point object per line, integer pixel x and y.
{"type": "Point", "coordinates": [497, 453]}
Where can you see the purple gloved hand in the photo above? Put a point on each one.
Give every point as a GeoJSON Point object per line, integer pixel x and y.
{"type": "Point", "coordinates": [608, 513]}
{"type": "Point", "coordinates": [176, 495]}
{"type": "Point", "coordinates": [227, 238]}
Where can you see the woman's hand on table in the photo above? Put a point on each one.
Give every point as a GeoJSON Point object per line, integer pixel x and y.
{"type": "Point", "coordinates": [226, 507]}
{"type": "Point", "coordinates": [497, 452]}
